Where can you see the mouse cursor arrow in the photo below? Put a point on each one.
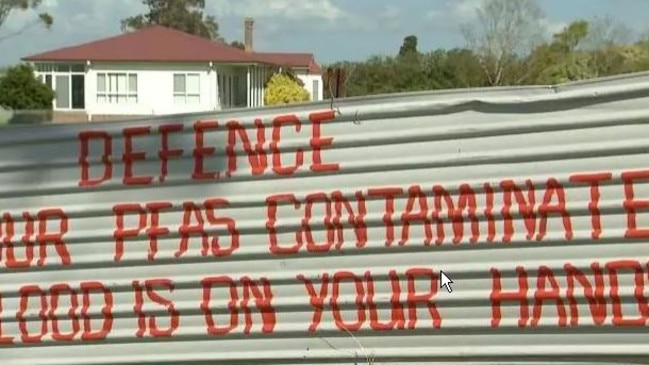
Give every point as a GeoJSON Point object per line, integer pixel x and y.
{"type": "Point", "coordinates": [445, 281]}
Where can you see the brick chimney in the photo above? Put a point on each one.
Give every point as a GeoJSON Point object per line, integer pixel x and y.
{"type": "Point", "coordinates": [247, 38]}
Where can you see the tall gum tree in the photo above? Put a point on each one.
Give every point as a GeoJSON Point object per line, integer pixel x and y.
{"type": "Point", "coordinates": [503, 31]}
{"type": "Point", "coordinates": [184, 15]}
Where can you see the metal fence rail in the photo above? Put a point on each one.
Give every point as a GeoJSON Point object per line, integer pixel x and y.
{"type": "Point", "coordinates": [318, 233]}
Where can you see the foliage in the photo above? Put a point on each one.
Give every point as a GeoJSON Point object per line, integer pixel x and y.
{"type": "Point", "coordinates": [8, 7]}
{"type": "Point", "coordinates": [439, 69]}
{"type": "Point", "coordinates": [185, 15]}
{"type": "Point", "coordinates": [504, 29]}
{"type": "Point", "coordinates": [286, 71]}
{"type": "Point", "coordinates": [290, 73]}
{"type": "Point", "coordinates": [20, 90]}
{"type": "Point", "coordinates": [282, 89]}
{"type": "Point", "coordinates": [409, 46]}
{"type": "Point", "coordinates": [237, 44]}
{"type": "Point", "coordinates": [504, 48]}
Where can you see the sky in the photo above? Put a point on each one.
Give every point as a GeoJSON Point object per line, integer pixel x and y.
{"type": "Point", "coordinates": [331, 29]}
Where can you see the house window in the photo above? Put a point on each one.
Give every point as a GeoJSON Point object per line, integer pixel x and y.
{"type": "Point", "coordinates": [68, 83]}
{"type": "Point", "coordinates": [187, 89]}
{"type": "Point", "coordinates": [315, 90]}
{"type": "Point", "coordinates": [45, 79]}
{"type": "Point", "coordinates": [62, 91]}
{"type": "Point", "coordinates": [44, 67]}
{"type": "Point", "coordinates": [116, 88]}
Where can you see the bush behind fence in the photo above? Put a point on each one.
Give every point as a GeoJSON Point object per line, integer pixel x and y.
{"type": "Point", "coordinates": [25, 117]}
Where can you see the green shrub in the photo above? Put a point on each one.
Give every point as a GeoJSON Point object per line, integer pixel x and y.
{"type": "Point", "coordinates": [282, 89]}
{"type": "Point", "coordinates": [20, 90]}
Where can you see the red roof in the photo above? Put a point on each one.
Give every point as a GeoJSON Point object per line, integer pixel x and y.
{"type": "Point", "coordinates": [304, 60]}
{"type": "Point", "coordinates": [161, 44]}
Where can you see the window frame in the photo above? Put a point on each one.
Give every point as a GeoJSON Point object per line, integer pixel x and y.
{"type": "Point", "coordinates": [46, 71]}
{"type": "Point", "coordinates": [108, 95]}
{"type": "Point", "coordinates": [186, 95]}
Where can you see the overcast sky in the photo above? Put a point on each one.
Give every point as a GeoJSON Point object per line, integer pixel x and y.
{"type": "Point", "coordinates": [332, 29]}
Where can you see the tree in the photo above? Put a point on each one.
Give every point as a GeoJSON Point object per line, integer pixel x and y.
{"type": "Point", "coordinates": [184, 15]}
{"type": "Point", "coordinates": [237, 44]}
{"type": "Point", "coordinates": [282, 89]}
{"type": "Point", "coordinates": [336, 79]}
{"type": "Point", "coordinates": [605, 32]}
{"type": "Point", "coordinates": [375, 76]}
{"type": "Point", "coordinates": [608, 43]}
{"type": "Point", "coordinates": [507, 50]}
{"type": "Point", "coordinates": [503, 30]}
{"type": "Point", "coordinates": [452, 69]}
{"type": "Point", "coordinates": [407, 73]}
{"type": "Point", "coordinates": [630, 58]}
{"type": "Point", "coordinates": [574, 55]}
{"type": "Point", "coordinates": [408, 67]}
{"type": "Point", "coordinates": [562, 59]}
{"type": "Point", "coordinates": [439, 69]}
{"type": "Point", "coordinates": [20, 90]}
{"type": "Point", "coordinates": [571, 37]}
{"type": "Point", "coordinates": [409, 46]}
{"type": "Point", "coordinates": [288, 72]}
{"type": "Point", "coordinates": [8, 7]}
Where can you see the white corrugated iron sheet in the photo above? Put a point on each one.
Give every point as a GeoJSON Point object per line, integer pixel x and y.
{"type": "Point", "coordinates": [277, 236]}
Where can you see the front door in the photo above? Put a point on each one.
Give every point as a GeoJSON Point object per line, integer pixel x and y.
{"type": "Point", "coordinates": [78, 92]}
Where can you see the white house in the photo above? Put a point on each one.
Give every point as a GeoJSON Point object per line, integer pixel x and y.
{"type": "Point", "coordinates": [157, 70]}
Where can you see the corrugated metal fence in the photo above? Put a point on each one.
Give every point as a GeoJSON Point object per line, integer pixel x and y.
{"type": "Point", "coordinates": [319, 233]}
